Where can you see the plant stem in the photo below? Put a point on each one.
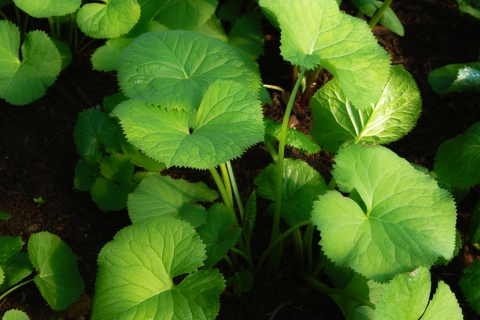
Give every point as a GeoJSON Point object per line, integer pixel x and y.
{"type": "Point", "coordinates": [281, 154]}
{"type": "Point", "coordinates": [307, 243]}
{"type": "Point", "coordinates": [14, 288]}
{"type": "Point", "coordinates": [229, 262]}
{"type": "Point", "coordinates": [271, 148]}
{"type": "Point", "coordinates": [226, 181]}
{"type": "Point", "coordinates": [52, 27]}
{"type": "Point", "coordinates": [319, 266]}
{"type": "Point", "coordinates": [320, 286]}
{"type": "Point", "coordinates": [245, 256]}
{"type": "Point", "coordinates": [271, 86]}
{"type": "Point", "coordinates": [3, 15]}
{"type": "Point", "coordinates": [298, 249]}
{"type": "Point", "coordinates": [376, 17]}
{"type": "Point", "coordinates": [235, 189]}
{"type": "Point", "coordinates": [308, 93]}
{"type": "Point", "coordinates": [224, 194]}
{"type": "Point", "coordinates": [277, 242]}
{"type": "Point", "coordinates": [332, 184]}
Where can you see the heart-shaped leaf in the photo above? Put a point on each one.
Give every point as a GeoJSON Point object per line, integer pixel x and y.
{"type": "Point", "coordinates": [48, 8]}
{"type": "Point", "coordinates": [136, 271]}
{"type": "Point", "coordinates": [401, 219]}
{"type": "Point", "coordinates": [390, 118]}
{"type": "Point", "coordinates": [26, 80]}
{"type": "Point", "coordinates": [228, 121]}
{"type": "Point", "coordinates": [174, 69]}
{"type": "Point", "coordinates": [342, 44]}
{"type": "Point", "coordinates": [58, 279]}
{"type": "Point", "coordinates": [162, 195]}
{"type": "Point", "coordinates": [109, 19]}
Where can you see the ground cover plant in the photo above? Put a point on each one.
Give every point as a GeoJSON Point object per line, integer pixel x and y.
{"type": "Point", "coordinates": [367, 238]}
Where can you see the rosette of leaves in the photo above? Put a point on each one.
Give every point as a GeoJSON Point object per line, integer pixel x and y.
{"type": "Point", "coordinates": [394, 220]}
{"type": "Point", "coordinates": [456, 78]}
{"type": "Point", "coordinates": [338, 122]}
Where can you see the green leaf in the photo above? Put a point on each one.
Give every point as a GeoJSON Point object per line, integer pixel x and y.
{"type": "Point", "coordinates": [389, 19]}
{"type": "Point", "coordinates": [111, 101]}
{"type": "Point", "coordinates": [110, 192]}
{"type": "Point", "coordinates": [250, 215]}
{"type": "Point", "coordinates": [175, 68]}
{"type": "Point", "coordinates": [301, 185]}
{"type": "Point", "coordinates": [406, 296]}
{"type": "Point", "coordinates": [456, 78]}
{"type": "Point", "coordinates": [408, 220]}
{"type": "Point", "coordinates": [25, 80]}
{"type": "Point", "coordinates": [48, 8]}
{"type": "Point", "coordinates": [469, 283]}
{"type": "Point", "coordinates": [85, 175]}
{"type": "Point", "coordinates": [58, 279]}
{"type": "Point", "coordinates": [15, 269]}
{"type": "Point", "coordinates": [243, 282]}
{"type": "Point", "coordinates": [185, 14]}
{"type": "Point", "coordinates": [213, 28]}
{"type": "Point", "coordinates": [444, 305]}
{"type": "Point", "coordinates": [228, 121]}
{"type": "Point", "coordinates": [2, 275]}
{"type": "Point", "coordinates": [155, 250]}
{"type": "Point", "coordinates": [230, 10]}
{"type": "Point", "coordinates": [65, 53]}
{"type": "Point", "coordinates": [390, 118]}
{"type": "Point", "coordinates": [9, 246]}
{"type": "Point", "coordinates": [247, 35]}
{"type": "Point", "coordinates": [5, 215]}
{"type": "Point", "coordinates": [474, 227]}
{"type": "Point", "coordinates": [109, 19]}
{"type": "Point", "coordinates": [294, 138]}
{"type": "Point", "coordinates": [15, 315]}
{"type": "Point", "coordinates": [218, 234]}
{"type": "Point", "coordinates": [342, 44]}
{"type": "Point", "coordinates": [107, 56]}
{"type": "Point", "coordinates": [162, 195]}
{"type": "Point", "coordinates": [93, 129]}
{"type": "Point", "coordinates": [139, 158]}
{"type": "Point", "coordinates": [472, 7]}
{"type": "Point", "coordinates": [457, 160]}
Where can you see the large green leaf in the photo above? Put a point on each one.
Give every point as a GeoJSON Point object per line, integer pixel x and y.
{"type": "Point", "coordinates": [25, 80]}
{"type": "Point", "coordinates": [228, 121]}
{"type": "Point", "coordinates": [457, 161]}
{"type": "Point", "coordinates": [175, 68]}
{"type": "Point", "coordinates": [48, 8]}
{"type": "Point", "coordinates": [162, 195]}
{"type": "Point", "coordinates": [389, 19]}
{"type": "Point", "coordinates": [301, 185]}
{"type": "Point", "coordinates": [185, 14]}
{"type": "Point", "coordinates": [218, 233]}
{"type": "Point", "coordinates": [401, 219]}
{"type": "Point", "coordinates": [470, 282]}
{"type": "Point", "coordinates": [109, 19]}
{"type": "Point", "coordinates": [342, 44]}
{"type": "Point", "coordinates": [58, 279]}
{"type": "Point", "coordinates": [456, 78]}
{"type": "Point", "coordinates": [136, 271]}
{"type": "Point", "coordinates": [395, 113]}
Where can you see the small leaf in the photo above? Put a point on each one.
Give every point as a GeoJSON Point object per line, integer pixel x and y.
{"type": "Point", "coordinates": [58, 279]}
{"type": "Point", "coordinates": [218, 234]}
{"type": "Point", "coordinates": [456, 78]}
{"type": "Point", "coordinates": [174, 69]}
{"type": "Point", "coordinates": [65, 53]}
{"type": "Point", "coordinates": [139, 158]}
{"type": "Point", "coordinates": [15, 269]}
{"type": "Point", "coordinates": [470, 282]}
{"type": "Point", "coordinates": [26, 80]}
{"type": "Point", "coordinates": [185, 14]}
{"type": "Point", "coordinates": [107, 56]}
{"type": "Point", "coordinates": [156, 250]}
{"type": "Point", "coordinates": [85, 175]}
{"type": "Point", "coordinates": [247, 35]}
{"type": "Point", "coordinates": [444, 305]}
{"type": "Point", "coordinates": [15, 315]}
{"type": "Point", "coordinates": [228, 121]}
{"type": "Point", "coordinates": [389, 19]}
{"type": "Point", "coordinates": [342, 44]}
{"type": "Point", "coordinates": [5, 215]}
{"type": "Point", "coordinates": [458, 159]}
{"type": "Point", "coordinates": [245, 280]}
{"type": "Point", "coordinates": [9, 246]}
{"type": "Point", "coordinates": [301, 185]}
{"type": "Point", "coordinates": [162, 195]}
{"type": "Point", "coordinates": [389, 119]}
{"type": "Point", "coordinates": [109, 19]}
{"type": "Point", "coordinates": [408, 220]}
{"type": "Point", "coordinates": [294, 138]}
{"type": "Point", "coordinates": [45, 9]}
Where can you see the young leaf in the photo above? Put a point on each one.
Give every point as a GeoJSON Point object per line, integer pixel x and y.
{"type": "Point", "coordinates": [110, 19]}
{"type": "Point", "coordinates": [162, 195]}
{"type": "Point", "coordinates": [26, 80]}
{"type": "Point", "coordinates": [390, 118]}
{"type": "Point", "coordinates": [294, 138]}
{"type": "Point", "coordinates": [406, 296]}
{"type": "Point", "coordinates": [185, 14]}
{"type": "Point", "coordinates": [5, 215]}
{"type": "Point", "coordinates": [174, 69]}
{"type": "Point", "coordinates": [301, 184]}
{"type": "Point", "coordinates": [106, 57]}
{"type": "Point", "coordinates": [139, 158]}
{"type": "Point", "coordinates": [15, 315]}
{"type": "Point", "coordinates": [228, 121]}
{"type": "Point", "coordinates": [389, 19]}
{"type": "Point", "coordinates": [15, 269]}
{"type": "Point", "coordinates": [218, 234]}
{"type": "Point", "coordinates": [409, 221]}
{"type": "Point", "coordinates": [342, 44]}
{"type": "Point", "coordinates": [45, 9]}
{"type": "Point", "coordinates": [58, 279]}
{"type": "Point", "coordinates": [457, 160]}
{"type": "Point", "coordinates": [470, 283]}
{"type": "Point", "coordinates": [444, 305]}
{"type": "Point", "coordinates": [85, 175]}
{"type": "Point", "coordinates": [456, 78]}
{"type": "Point", "coordinates": [155, 250]}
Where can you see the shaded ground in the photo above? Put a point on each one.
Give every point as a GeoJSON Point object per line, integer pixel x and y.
{"type": "Point", "coordinates": [37, 158]}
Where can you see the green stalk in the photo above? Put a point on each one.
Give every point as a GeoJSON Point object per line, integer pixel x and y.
{"type": "Point", "coordinates": [14, 288]}
{"type": "Point", "coordinates": [307, 244]}
{"type": "Point", "coordinates": [376, 17]}
{"type": "Point", "coordinates": [271, 148]}
{"type": "Point", "coordinates": [319, 266]}
{"type": "Point", "coordinates": [224, 194]}
{"type": "Point", "coordinates": [245, 256]}
{"type": "Point", "coordinates": [281, 154]}
{"type": "Point", "coordinates": [52, 27]}
{"type": "Point", "coordinates": [235, 189]}
{"type": "Point", "coordinates": [308, 88]}
{"type": "Point", "coordinates": [229, 262]}
{"type": "Point", "coordinates": [71, 29]}
{"type": "Point", "coordinates": [3, 15]}
{"type": "Point", "coordinates": [271, 86]}
{"type": "Point", "coordinates": [226, 181]}
{"type": "Point", "coordinates": [298, 249]}
{"type": "Point", "coordinates": [320, 286]}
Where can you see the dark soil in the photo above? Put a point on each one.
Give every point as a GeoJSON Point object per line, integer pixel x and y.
{"type": "Point", "coordinates": [38, 156]}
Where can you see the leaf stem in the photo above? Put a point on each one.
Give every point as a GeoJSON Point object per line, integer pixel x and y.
{"type": "Point", "coordinates": [271, 148]}
{"type": "Point", "coordinates": [298, 249]}
{"type": "Point", "coordinates": [320, 286]}
{"type": "Point", "coordinates": [379, 13]}
{"type": "Point", "coordinates": [235, 189]}
{"type": "Point", "coordinates": [229, 262]}
{"type": "Point", "coordinates": [308, 93]}
{"type": "Point", "coordinates": [244, 255]}
{"type": "Point", "coordinates": [319, 266]}
{"type": "Point", "coordinates": [3, 15]}
{"type": "Point", "coordinates": [224, 194]}
{"type": "Point", "coordinates": [14, 288]}
{"type": "Point", "coordinates": [271, 86]}
{"type": "Point", "coordinates": [281, 154]}
{"type": "Point", "coordinates": [226, 181]}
